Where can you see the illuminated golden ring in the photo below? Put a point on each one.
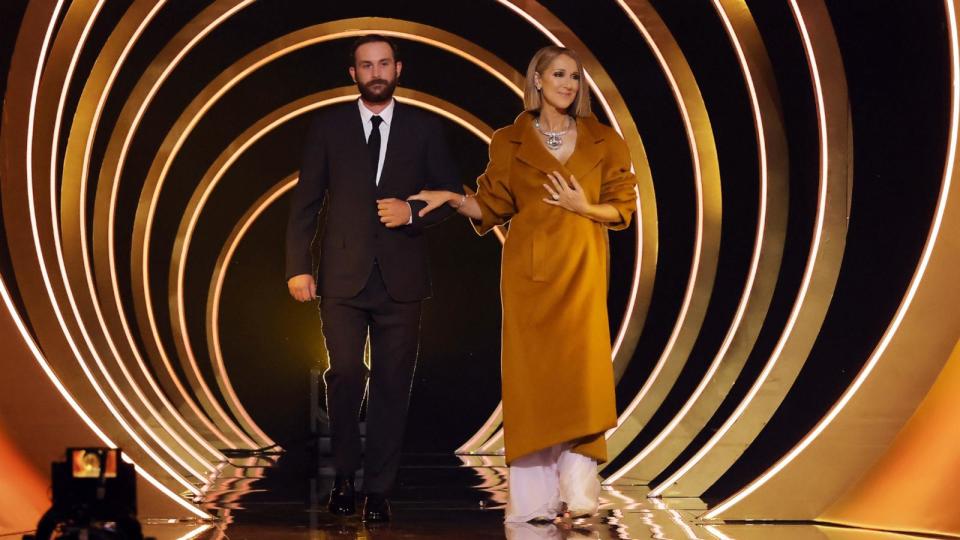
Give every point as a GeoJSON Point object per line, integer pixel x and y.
{"type": "Point", "coordinates": [47, 110]}
{"type": "Point", "coordinates": [73, 42]}
{"type": "Point", "coordinates": [890, 495]}
{"type": "Point", "coordinates": [765, 260]}
{"type": "Point", "coordinates": [819, 277]}
{"type": "Point", "coordinates": [219, 425]}
{"type": "Point", "coordinates": [706, 169]}
{"type": "Point", "coordinates": [211, 180]}
{"type": "Point", "coordinates": [73, 225]}
{"type": "Point", "coordinates": [919, 333]}
{"type": "Point", "coordinates": [20, 130]}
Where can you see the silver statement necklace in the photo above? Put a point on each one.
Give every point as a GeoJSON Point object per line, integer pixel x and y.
{"type": "Point", "coordinates": [554, 138]}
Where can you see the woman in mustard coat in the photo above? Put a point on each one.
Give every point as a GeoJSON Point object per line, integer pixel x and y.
{"type": "Point", "coordinates": [561, 179]}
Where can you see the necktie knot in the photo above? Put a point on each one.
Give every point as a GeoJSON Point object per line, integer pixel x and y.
{"type": "Point", "coordinates": [376, 120]}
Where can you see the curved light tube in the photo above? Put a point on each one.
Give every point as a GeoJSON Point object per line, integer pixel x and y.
{"type": "Point", "coordinates": [58, 249]}
{"type": "Point", "coordinates": [34, 227]}
{"type": "Point", "coordinates": [80, 144]}
{"type": "Point", "coordinates": [810, 305]}
{"type": "Point", "coordinates": [18, 321]}
{"type": "Point", "coordinates": [108, 187]}
{"type": "Point", "coordinates": [703, 154]}
{"type": "Point", "coordinates": [932, 239]}
{"type": "Point", "coordinates": [765, 261]}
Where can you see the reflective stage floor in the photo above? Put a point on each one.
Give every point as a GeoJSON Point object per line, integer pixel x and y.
{"type": "Point", "coordinates": [447, 497]}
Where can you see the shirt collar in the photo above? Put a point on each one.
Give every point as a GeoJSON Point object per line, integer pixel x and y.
{"type": "Point", "coordinates": [387, 113]}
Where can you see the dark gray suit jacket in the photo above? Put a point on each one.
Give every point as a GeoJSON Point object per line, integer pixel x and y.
{"type": "Point", "coordinates": [337, 172]}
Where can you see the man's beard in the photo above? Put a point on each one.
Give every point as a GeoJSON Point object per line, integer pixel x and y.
{"type": "Point", "coordinates": [373, 96]}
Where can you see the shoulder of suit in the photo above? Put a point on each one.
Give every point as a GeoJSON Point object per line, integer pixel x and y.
{"type": "Point", "coordinates": [335, 113]}
{"type": "Point", "coordinates": [412, 111]}
{"type": "Point", "coordinates": [421, 119]}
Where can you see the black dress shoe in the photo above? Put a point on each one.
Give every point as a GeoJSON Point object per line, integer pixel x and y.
{"type": "Point", "coordinates": [376, 509]}
{"type": "Point", "coordinates": [343, 498]}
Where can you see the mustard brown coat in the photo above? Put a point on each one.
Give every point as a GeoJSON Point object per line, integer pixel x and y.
{"type": "Point", "coordinates": [556, 355]}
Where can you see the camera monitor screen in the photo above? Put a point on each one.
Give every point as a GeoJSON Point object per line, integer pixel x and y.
{"type": "Point", "coordinates": [90, 462]}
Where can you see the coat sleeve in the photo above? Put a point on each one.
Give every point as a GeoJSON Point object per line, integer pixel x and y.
{"type": "Point", "coordinates": [497, 204]}
{"type": "Point", "coordinates": [618, 184]}
{"type": "Point", "coordinates": [306, 202]}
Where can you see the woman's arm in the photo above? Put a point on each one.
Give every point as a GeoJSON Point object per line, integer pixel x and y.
{"type": "Point", "coordinates": [603, 213]}
{"type": "Point", "coordinates": [571, 197]}
{"type": "Point", "coordinates": [465, 205]}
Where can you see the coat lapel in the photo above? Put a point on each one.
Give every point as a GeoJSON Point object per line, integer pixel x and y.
{"type": "Point", "coordinates": [531, 150]}
{"type": "Point", "coordinates": [586, 155]}
{"type": "Point", "coordinates": [588, 152]}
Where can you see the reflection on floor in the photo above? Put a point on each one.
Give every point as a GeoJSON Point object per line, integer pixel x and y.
{"type": "Point", "coordinates": [446, 497]}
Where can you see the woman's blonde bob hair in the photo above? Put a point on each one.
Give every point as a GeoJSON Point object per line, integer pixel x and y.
{"type": "Point", "coordinates": [532, 100]}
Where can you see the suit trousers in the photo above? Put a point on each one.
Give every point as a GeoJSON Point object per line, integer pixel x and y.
{"type": "Point", "coordinates": [394, 329]}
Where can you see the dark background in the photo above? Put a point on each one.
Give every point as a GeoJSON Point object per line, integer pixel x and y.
{"type": "Point", "coordinates": [895, 56]}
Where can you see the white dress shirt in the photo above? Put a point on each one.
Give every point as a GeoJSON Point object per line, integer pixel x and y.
{"type": "Point", "coordinates": [387, 115]}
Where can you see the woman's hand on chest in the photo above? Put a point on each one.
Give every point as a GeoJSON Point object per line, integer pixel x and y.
{"type": "Point", "coordinates": [567, 194]}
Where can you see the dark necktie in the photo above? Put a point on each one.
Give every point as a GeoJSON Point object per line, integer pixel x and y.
{"type": "Point", "coordinates": [373, 144]}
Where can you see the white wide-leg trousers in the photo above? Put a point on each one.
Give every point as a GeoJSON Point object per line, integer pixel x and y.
{"type": "Point", "coordinates": [545, 483]}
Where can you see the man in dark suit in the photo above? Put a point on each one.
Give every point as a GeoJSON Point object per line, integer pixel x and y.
{"type": "Point", "coordinates": [363, 159]}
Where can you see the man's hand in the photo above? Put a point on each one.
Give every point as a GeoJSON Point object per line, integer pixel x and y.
{"type": "Point", "coordinates": [393, 212]}
{"type": "Point", "coordinates": [302, 287]}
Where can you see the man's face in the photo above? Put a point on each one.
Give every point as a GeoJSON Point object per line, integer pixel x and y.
{"type": "Point", "coordinates": [375, 71]}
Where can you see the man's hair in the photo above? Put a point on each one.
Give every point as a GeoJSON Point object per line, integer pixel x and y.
{"type": "Point", "coordinates": [371, 38]}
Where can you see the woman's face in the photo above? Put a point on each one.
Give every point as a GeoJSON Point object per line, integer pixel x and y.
{"type": "Point", "coordinates": [560, 82]}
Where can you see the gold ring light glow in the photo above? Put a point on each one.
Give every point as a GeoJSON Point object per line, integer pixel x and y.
{"type": "Point", "coordinates": [22, 136]}
{"type": "Point", "coordinates": [817, 285]}
{"type": "Point", "coordinates": [703, 154]}
{"type": "Point", "coordinates": [74, 222]}
{"type": "Point", "coordinates": [767, 249]}
{"type": "Point", "coordinates": [917, 331]}
{"type": "Point", "coordinates": [219, 423]}
{"type": "Point", "coordinates": [156, 435]}
{"type": "Point", "coordinates": [141, 398]}
{"type": "Point", "coordinates": [40, 128]}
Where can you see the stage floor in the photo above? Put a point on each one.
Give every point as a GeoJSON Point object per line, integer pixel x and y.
{"type": "Point", "coordinates": [448, 497]}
